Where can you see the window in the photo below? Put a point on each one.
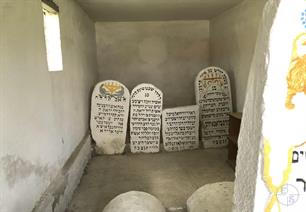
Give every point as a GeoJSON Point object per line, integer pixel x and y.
{"type": "Point", "coordinates": [52, 35]}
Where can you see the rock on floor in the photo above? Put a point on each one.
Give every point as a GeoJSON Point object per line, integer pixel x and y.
{"type": "Point", "coordinates": [211, 198]}
{"type": "Point", "coordinates": [134, 201]}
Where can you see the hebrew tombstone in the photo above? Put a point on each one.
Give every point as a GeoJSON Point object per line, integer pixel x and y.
{"type": "Point", "coordinates": [145, 120]}
{"type": "Point", "coordinates": [134, 201]}
{"type": "Point", "coordinates": [213, 95]}
{"type": "Point", "coordinates": [181, 128]}
{"type": "Point", "coordinates": [109, 115]}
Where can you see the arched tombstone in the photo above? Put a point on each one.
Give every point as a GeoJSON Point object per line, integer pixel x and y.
{"type": "Point", "coordinates": [271, 162]}
{"type": "Point", "coordinates": [109, 114]}
{"type": "Point", "coordinates": [212, 197]}
{"type": "Point", "coordinates": [145, 118]}
{"type": "Point", "coordinates": [213, 95]}
{"type": "Point", "coordinates": [134, 201]}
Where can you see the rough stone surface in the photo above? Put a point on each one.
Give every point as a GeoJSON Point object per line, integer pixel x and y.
{"type": "Point", "coordinates": [212, 197]}
{"type": "Point", "coordinates": [181, 128]}
{"type": "Point", "coordinates": [250, 132]}
{"type": "Point", "coordinates": [145, 118]}
{"type": "Point", "coordinates": [135, 201]}
{"type": "Point", "coordinates": [109, 115]}
{"type": "Point", "coordinates": [213, 95]}
{"type": "Point", "coordinates": [247, 166]}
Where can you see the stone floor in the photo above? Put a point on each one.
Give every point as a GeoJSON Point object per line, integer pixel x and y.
{"type": "Point", "coordinates": [171, 177]}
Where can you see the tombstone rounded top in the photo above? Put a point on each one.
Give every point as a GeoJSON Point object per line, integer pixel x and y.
{"type": "Point", "coordinates": [145, 121]}
{"type": "Point", "coordinates": [213, 95]}
{"type": "Point", "coordinates": [138, 88]}
{"type": "Point", "coordinates": [134, 201]}
{"type": "Point", "coordinates": [112, 88]}
{"type": "Point", "coordinates": [212, 197]}
{"type": "Point", "coordinates": [213, 74]}
{"type": "Point", "coordinates": [109, 116]}
{"type": "Point", "coordinates": [211, 68]}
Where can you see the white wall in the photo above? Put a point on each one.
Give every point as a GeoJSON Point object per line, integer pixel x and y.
{"type": "Point", "coordinates": [168, 54]}
{"type": "Point", "coordinates": [233, 36]}
{"type": "Point", "coordinates": [271, 161]}
{"type": "Point", "coordinates": [43, 115]}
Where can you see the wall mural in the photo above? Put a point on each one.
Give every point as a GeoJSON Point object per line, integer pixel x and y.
{"type": "Point", "coordinates": [296, 78]}
{"type": "Point", "coordinates": [286, 193]}
{"type": "Point", "coordinates": [284, 125]}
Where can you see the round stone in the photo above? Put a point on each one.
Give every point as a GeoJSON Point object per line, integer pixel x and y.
{"type": "Point", "coordinates": [212, 197]}
{"type": "Point", "coordinates": [134, 201]}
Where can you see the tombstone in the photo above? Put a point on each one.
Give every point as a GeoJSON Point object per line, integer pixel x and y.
{"type": "Point", "coordinates": [145, 118]}
{"type": "Point", "coordinates": [213, 95]}
{"type": "Point", "coordinates": [271, 162]}
{"type": "Point", "coordinates": [134, 201]}
{"type": "Point", "coordinates": [181, 128]}
{"type": "Point", "coordinates": [109, 115]}
{"type": "Point", "coordinates": [212, 197]}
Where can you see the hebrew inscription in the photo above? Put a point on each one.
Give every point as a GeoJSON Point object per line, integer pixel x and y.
{"type": "Point", "coordinates": [181, 128]}
{"type": "Point", "coordinates": [145, 121]}
{"type": "Point", "coordinates": [213, 95]}
{"type": "Point", "coordinates": [109, 115]}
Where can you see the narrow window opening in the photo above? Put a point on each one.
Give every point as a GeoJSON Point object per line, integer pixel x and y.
{"type": "Point", "coordinates": [52, 35]}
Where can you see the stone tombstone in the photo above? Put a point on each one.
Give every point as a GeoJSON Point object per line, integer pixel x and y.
{"type": "Point", "coordinates": [135, 201]}
{"type": "Point", "coordinates": [213, 95]}
{"type": "Point", "coordinates": [109, 115]}
{"type": "Point", "coordinates": [145, 120]}
{"type": "Point", "coordinates": [212, 197]}
{"type": "Point", "coordinates": [181, 128]}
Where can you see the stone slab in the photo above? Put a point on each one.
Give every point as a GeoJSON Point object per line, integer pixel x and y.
{"type": "Point", "coordinates": [109, 115]}
{"type": "Point", "coordinates": [181, 128]}
{"type": "Point", "coordinates": [212, 197]}
{"type": "Point", "coordinates": [135, 201]}
{"type": "Point", "coordinates": [213, 95]}
{"type": "Point", "coordinates": [145, 118]}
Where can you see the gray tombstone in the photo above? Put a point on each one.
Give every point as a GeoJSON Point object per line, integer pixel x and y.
{"type": "Point", "coordinates": [145, 118]}
{"type": "Point", "coordinates": [134, 201]}
{"type": "Point", "coordinates": [213, 95]}
{"type": "Point", "coordinates": [212, 197]}
{"type": "Point", "coordinates": [181, 128]}
{"type": "Point", "coordinates": [109, 115]}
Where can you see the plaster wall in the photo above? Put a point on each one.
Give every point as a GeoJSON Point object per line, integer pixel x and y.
{"type": "Point", "coordinates": [43, 115]}
{"type": "Point", "coordinates": [278, 67]}
{"type": "Point", "coordinates": [248, 166]}
{"type": "Point", "coordinates": [233, 36]}
{"type": "Point", "coordinates": [167, 54]}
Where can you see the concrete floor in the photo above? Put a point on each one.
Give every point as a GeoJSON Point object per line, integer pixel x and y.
{"type": "Point", "coordinates": [171, 177]}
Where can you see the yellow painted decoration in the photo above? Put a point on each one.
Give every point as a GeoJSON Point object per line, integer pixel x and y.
{"type": "Point", "coordinates": [112, 87]}
{"type": "Point", "coordinates": [268, 179]}
{"type": "Point", "coordinates": [296, 78]}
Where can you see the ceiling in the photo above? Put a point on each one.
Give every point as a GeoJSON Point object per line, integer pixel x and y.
{"type": "Point", "coordinates": [154, 10]}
